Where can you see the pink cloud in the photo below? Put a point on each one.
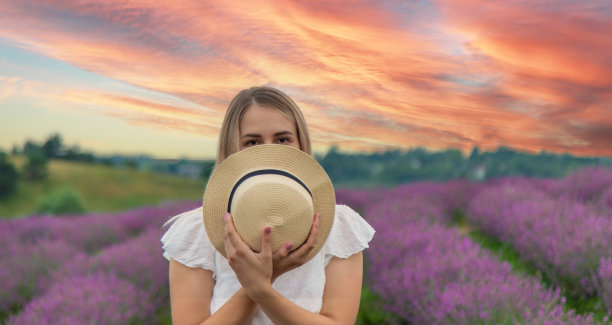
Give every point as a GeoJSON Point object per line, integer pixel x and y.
{"type": "Point", "coordinates": [530, 76]}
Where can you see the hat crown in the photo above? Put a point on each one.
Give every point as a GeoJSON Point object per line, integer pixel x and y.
{"type": "Point", "coordinates": [301, 169]}
{"type": "Point", "coordinates": [272, 200]}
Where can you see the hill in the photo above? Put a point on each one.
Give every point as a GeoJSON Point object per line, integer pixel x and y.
{"type": "Point", "coordinates": [103, 188]}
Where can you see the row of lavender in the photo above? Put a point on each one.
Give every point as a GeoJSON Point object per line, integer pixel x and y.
{"type": "Point", "coordinates": [429, 273]}
{"type": "Point", "coordinates": [94, 269]}
{"type": "Point", "coordinates": [562, 227]}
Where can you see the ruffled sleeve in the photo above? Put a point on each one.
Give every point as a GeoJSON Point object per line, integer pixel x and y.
{"type": "Point", "coordinates": [350, 234]}
{"type": "Point", "coordinates": [186, 241]}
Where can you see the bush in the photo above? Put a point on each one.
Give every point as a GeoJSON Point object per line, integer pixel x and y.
{"type": "Point", "coordinates": [64, 201]}
{"type": "Point", "coordinates": [37, 166]}
{"type": "Point", "coordinates": [8, 177]}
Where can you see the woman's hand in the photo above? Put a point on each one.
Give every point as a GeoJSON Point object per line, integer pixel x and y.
{"type": "Point", "coordinates": [253, 270]}
{"type": "Point", "coordinates": [256, 271]}
{"type": "Point", "coordinates": [284, 260]}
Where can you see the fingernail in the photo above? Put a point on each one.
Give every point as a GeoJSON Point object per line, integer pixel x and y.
{"type": "Point", "coordinates": [267, 230]}
{"type": "Point", "coordinates": [226, 216]}
{"type": "Point", "coordinates": [288, 245]}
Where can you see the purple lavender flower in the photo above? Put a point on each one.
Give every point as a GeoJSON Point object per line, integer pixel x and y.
{"type": "Point", "coordinates": [38, 251]}
{"type": "Point", "coordinates": [134, 221]}
{"type": "Point", "coordinates": [606, 201]}
{"type": "Point", "coordinates": [26, 270]}
{"type": "Point", "coordinates": [430, 274]}
{"type": "Point", "coordinates": [139, 261]}
{"type": "Point", "coordinates": [564, 239]}
{"type": "Point", "coordinates": [604, 276]}
{"type": "Point", "coordinates": [585, 185]}
{"type": "Point", "coordinates": [94, 231]}
{"type": "Point", "coordinates": [94, 299]}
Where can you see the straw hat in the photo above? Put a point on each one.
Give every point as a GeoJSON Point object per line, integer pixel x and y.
{"type": "Point", "coordinates": [269, 186]}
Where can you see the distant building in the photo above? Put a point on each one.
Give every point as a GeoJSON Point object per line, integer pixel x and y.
{"type": "Point", "coordinates": [189, 169]}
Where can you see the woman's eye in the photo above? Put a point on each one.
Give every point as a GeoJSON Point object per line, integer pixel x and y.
{"type": "Point", "coordinates": [250, 143]}
{"type": "Point", "coordinates": [284, 140]}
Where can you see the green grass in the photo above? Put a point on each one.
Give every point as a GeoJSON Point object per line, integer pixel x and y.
{"type": "Point", "coordinates": [164, 315]}
{"type": "Point", "coordinates": [371, 311]}
{"type": "Point", "coordinates": [502, 250]}
{"type": "Point", "coordinates": [103, 188]}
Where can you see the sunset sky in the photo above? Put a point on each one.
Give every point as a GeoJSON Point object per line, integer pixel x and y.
{"type": "Point", "coordinates": [155, 77]}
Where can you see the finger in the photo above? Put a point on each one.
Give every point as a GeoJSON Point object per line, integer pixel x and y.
{"type": "Point", "coordinates": [315, 221]}
{"type": "Point", "coordinates": [229, 248]}
{"type": "Point", "coordinates": [283, 251]}
{"type": "Point", "coordinates": [226, 233]}
{"type": "Point", "coordinates": [266, 242]}
{"type": "Point", "coordinates": [232, 235]}
{"type": "Point", "coordinates": [311, 240]}
{"type": "Point", "coordinates": [227, 225]}
{"type": "Point", "coordinates": [314, 230]}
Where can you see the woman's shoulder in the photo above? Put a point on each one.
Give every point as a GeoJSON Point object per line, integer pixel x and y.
{"type": "Point", "coordinates": [350, 234]}
{"type": "Point", "coordinates": [184, 227]}
{"type": "Point", "coordinates": [342, 209]}
{"type": "Point", "coordinates": [346, 217]}
{"type": "Point", "coordinates": [184, 218]}
{"type": "Point", "coordinates": [186, 241]}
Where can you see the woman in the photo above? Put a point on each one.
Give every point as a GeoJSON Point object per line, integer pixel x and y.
{"type": "Point", "coordinates": [266, 287]}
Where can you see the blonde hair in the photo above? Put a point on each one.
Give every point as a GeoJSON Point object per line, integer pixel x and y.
{"type": "Point", "coordinates": [229, 137]}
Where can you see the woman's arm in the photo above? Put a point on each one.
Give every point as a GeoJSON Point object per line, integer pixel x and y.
{"type": "Point", "coordinates": [190, 295]}
{"type": "Point", "coordinates": [255, 273]}
{"type": "Point", "coordinates": [340, 298]}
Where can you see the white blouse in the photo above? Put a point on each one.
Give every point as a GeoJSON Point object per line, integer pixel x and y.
{"type": "Point", "coordinates": [186, 242]}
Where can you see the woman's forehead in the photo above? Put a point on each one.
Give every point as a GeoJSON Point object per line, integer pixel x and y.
{"type": "Point", "coordinates": [259, 118]}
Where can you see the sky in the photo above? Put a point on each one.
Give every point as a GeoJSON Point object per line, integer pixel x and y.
{"type": "Point", "coordinates": [155, 77]}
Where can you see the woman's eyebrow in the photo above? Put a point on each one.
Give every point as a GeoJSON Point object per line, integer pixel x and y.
{"type": "Point", "coordinates": [283, 133]}
{"type": "Point", "coordinates": [250, 135]}
{"type": "Point", "coordinates": [253, 135]}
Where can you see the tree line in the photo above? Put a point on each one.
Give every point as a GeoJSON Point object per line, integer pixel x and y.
{"type": "Point", "coordinates": [388, 168]}
{"type": "Point", "coordinates": [394, 167]}
{"type": "Point", "coordinates": [35, 167]}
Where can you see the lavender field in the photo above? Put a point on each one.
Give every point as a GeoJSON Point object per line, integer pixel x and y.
{"type": "Point", "coordinates": [91, 269]}
{"type": "Point", "coordinates": [424, 263]}
{"type": "Point", "coordinates": [427, 270]}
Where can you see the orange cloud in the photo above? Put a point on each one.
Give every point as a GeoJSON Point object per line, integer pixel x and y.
{"type": "Point", "coordinates": [368, 75]}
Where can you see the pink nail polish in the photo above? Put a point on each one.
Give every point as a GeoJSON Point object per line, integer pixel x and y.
{"type": "Point", "coordinates": [288, 246]}
{"type": "Point", "coordinates": [226, 216]}
{"type": "Point", "coordinates": [267, 230]}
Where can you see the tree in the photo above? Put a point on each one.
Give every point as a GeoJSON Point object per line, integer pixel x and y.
{"type": "Point", "coordinates": [475, 155]}
{"type": "Point", "coordinates": [9, 177]}
{"type": "Point", "coordinates": [30, 146]}
{"type": "Point", "coordinates": [131, 163]}
{"type": "Point", "coordinates": [72, 153]}
{"type": "Point", "coordinates": [207, 168]}
{"type": "Point", "coordinates": [53, 146]}
{"type": "Point", "coordinates": [36, 167]}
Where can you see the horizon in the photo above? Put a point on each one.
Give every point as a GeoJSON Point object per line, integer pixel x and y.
{"type": "Point", "coordinates": [319, 153]}
{"type": "Point", "coordinates": [155, 78]}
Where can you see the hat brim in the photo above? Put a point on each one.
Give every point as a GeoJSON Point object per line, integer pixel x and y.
{"type": "Point", "coordinates": [260, 157]}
